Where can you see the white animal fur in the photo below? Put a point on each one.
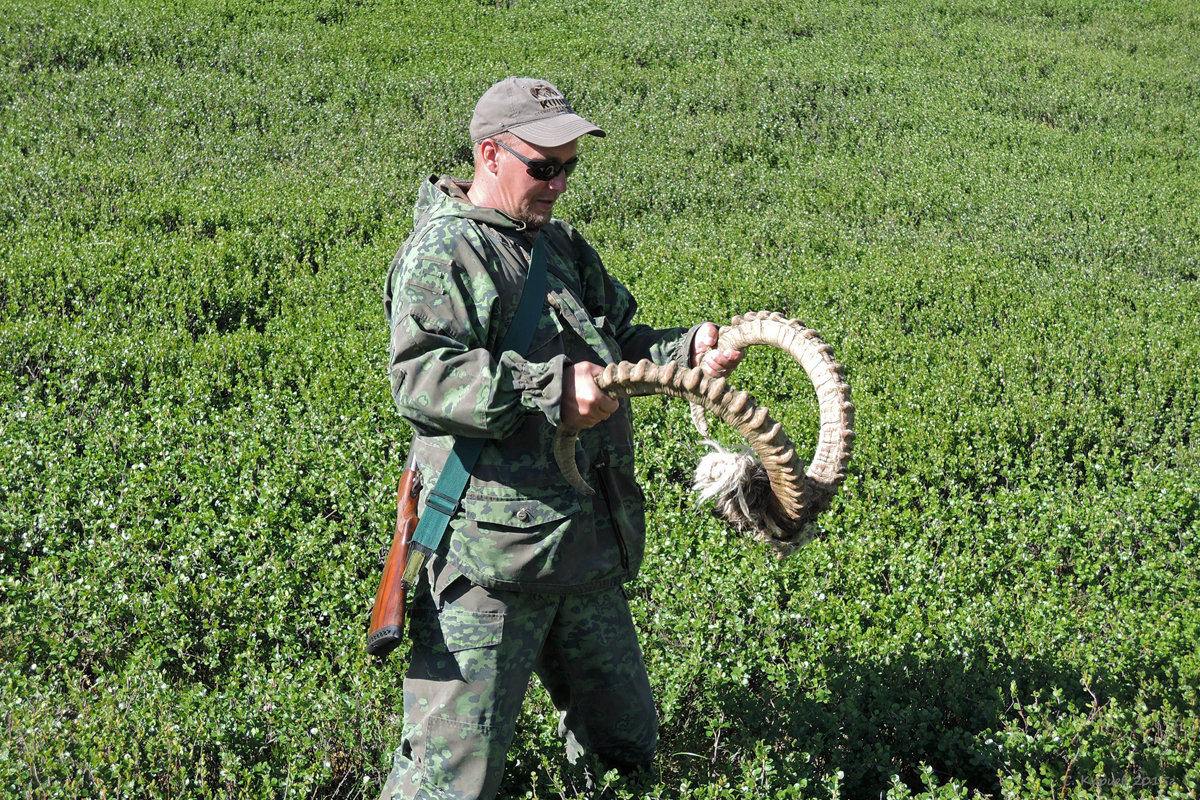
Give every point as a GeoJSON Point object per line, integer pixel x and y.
{"type": "Point", "coordinates": [724, 474]}
{"type": "Point", "coordinates": [738, 484]}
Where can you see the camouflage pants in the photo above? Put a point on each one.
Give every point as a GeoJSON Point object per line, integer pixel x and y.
{"type": "Point", "coordinates": [474, 650]}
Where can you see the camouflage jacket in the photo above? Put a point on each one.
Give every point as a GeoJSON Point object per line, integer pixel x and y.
{"type": "Point", "coordinates": [450, 295]}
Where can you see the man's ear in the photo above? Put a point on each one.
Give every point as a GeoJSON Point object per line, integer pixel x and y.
{"type": "Point", "coordinates": [489, 156]}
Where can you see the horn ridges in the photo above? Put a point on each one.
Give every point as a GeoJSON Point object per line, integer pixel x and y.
{"type": "Point", "coordinates": [800, 495]}
{"type": "Point", "coordinates": [830, 462]}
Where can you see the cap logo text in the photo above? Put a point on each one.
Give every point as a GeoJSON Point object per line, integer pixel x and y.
{"type": "Point", "coordinates": [549, 98]}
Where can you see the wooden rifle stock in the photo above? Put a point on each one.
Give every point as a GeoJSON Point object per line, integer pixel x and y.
{"type": "Point", "coordinates": [387, 617]}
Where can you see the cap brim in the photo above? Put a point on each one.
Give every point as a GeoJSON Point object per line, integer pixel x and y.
{"type": "Point", "coordinates": [556, 130]}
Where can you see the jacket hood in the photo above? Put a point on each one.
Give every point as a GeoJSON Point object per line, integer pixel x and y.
{"type": "Point", "coordinates": [446, 196]}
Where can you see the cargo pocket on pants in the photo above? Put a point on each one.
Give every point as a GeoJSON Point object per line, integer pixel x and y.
{"type": "Point", "coordinates": [464, 642]}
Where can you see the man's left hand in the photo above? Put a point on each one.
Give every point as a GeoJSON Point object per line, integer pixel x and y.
{"type": "Point", "coordinates": [715, 363]}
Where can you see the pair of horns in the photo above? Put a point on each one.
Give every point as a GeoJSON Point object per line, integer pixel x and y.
{"type": "Point", "coordinates": [797, 496]}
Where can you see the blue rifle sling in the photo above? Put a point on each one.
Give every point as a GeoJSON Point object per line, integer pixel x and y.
{"type": "Point", "coordinates": [442, 501]}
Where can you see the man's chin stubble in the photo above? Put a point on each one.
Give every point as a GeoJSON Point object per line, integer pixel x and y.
{"type": "Point", "coordinates": [534, 221]}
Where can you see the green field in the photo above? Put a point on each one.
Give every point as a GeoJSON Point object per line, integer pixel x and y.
{"type": "Point", "coordinates": [989, 209]}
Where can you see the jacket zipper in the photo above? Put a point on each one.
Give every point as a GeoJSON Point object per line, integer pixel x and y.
{"type": "Point", "coordinates": [601, 468]}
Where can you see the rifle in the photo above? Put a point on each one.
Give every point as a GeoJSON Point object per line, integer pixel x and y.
{"type": "Point", "coordinates": [387, 617]}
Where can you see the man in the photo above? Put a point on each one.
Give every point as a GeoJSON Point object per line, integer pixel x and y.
{"type": "Point", "coordinates": [528, 578]}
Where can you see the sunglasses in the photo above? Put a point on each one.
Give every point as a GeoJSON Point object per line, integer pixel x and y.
{"type": "Point", "coordinates": [543, 169]}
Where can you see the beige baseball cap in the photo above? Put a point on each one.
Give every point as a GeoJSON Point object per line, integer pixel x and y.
{"type": "Point", "coordinates": [531, 109]}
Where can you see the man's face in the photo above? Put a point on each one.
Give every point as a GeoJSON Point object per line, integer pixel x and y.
{"type": "Point", "coordinates": [522, 196]}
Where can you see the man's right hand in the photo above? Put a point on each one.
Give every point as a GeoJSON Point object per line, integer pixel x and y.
{"type": "Point", "coordinates": [583, 404]}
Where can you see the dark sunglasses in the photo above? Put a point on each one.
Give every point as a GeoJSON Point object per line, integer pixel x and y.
{"type": "Point", "coordinates": [543, 169]}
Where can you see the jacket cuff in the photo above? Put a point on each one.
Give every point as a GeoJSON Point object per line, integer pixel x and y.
{"type": "Point", "coordinates": [541, 385]}
{"type": "Point", "coordinates": [683, 351]}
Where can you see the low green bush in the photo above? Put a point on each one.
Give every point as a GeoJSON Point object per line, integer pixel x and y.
{"type": "Point", "coordinates": [988, 211]}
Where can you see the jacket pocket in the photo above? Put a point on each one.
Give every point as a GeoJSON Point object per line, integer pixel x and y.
{"type": "Point", "coordinates": [520, 512]}
{"type": "Point", "coordinates": [515, 541]}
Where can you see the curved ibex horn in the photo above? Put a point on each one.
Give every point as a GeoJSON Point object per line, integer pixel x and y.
{"type": "Point", "coordinates": [796, 497]}
{"type": "Point", "coordinates": [828, 467]}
